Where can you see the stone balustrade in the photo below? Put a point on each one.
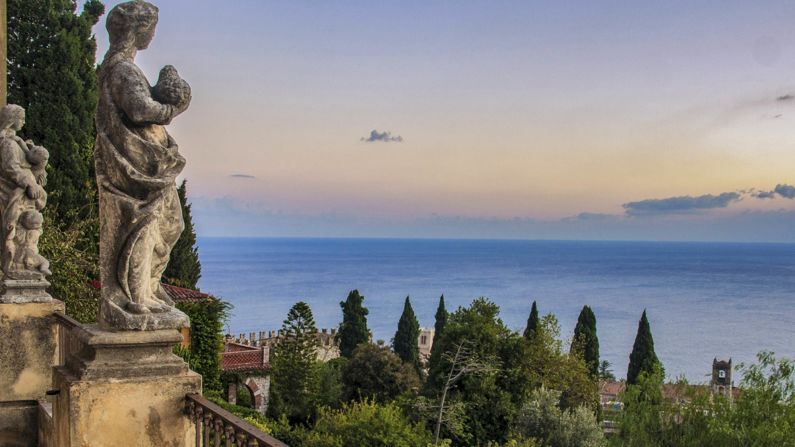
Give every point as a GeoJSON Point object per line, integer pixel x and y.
{"type": "Point", "coordinates": [216, 427]}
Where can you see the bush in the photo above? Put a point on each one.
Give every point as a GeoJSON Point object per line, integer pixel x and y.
{"type": "Point", "coordinates": [366, 424]}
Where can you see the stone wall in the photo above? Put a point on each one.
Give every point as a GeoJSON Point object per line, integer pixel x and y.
{"type": "Point", "coordinates": [29, 349]}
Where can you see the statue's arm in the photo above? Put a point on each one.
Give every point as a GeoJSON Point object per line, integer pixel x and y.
{"type": "Point", "coordinates": [131, 93]}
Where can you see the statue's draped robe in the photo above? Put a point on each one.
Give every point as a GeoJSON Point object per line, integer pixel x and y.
{"type": "Point", "coordinates": [137, 163]}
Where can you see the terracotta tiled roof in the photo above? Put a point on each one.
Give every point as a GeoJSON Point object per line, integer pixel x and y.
{"type": "Point", "coordinates": [177, 294]}
{"type": "Point", "coordinates": [237, 357]}
{"type": "Point", "coordinates": [612, 388]}
{"type": "Point", "coordinates": [183, 295]}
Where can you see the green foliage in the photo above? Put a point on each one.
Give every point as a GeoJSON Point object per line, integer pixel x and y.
{"type": "Point", "coordinates": [294, 369]}
{"type": "Point", "coordinates": [549, 366]}
{"type": "Point", "coordinates": [643, 421]}
{"type": "Point", "coordinates": [353, 329]}
{"type": "Point", "coordinates": [206, 338]}
{"type": "Point", "coordinates": [643, 358]}
{"type": "Point", "coordinates": [605, 371]}
{"type": "Point", "coordinates": [51, 73]}
{"type": "Point", "coordinates": [585, 341]}
{"type": "Point", "coordinates": [405, 341]}
{"type": "Point", "coordinates": [330, 387]}
{"type": "Point", "coordinates": [441, 320]}
{"type": "Point", "coordinates": [368, 424]}
{"type": "Point", "coordinates": [532, 322]}
{"type": "Point", "coordinates": [487, 397]}
{"type": "Point", "coordinates": [762, 415]}
{"type": "Point", "coordinates": [184, 268]}
{"type": "Point", "coordinates": [72, 267]}
{"type": "Point", "coordinates": [492, 400]}
{"type": "Point", "coordinates": [376, 373]}
{"type": "Point", "coordinates": [542, 418]}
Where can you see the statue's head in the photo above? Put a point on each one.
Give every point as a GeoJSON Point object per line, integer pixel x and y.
{"type": "Point", "coordinates": [12, 117]}
{"type": "Point", "coordinates": [132, 24]}
{"type": "Point", "coordinates": [31, 220]}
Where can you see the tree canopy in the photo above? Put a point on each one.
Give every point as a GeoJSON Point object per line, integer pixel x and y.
{"type": "Point", "coordinates": [184, 268]}
{"type": "Point", "coordinates": [643, 358]}
{"type": "Point", "coordinates": [353, 329]}
{"type": "Point", "coordinates": [294, 366]}
{"type": "Point", "coordinates": [585, 341]}
{"type": "Point", "coordinates": [532, 322]}
{"type": "Point", "coordinates": [405, 341]}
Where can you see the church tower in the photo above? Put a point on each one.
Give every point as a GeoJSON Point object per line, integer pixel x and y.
{"type": "Point", "coordinates": [721, 383]}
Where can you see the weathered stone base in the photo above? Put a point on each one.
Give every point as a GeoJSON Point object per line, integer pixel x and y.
{"type": "Point", "coordinates": [112, 317]}
{"type": "Point", "coordinates": [28, 349]}
{"type": "Point", "coordinates": [25, 291]}
{"type": "Point", "coordinates": [123, 388]}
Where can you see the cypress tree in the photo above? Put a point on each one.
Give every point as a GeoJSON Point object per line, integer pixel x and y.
{"type": "Point", "coordinates": [294, 366]}
{"type": "Point", "coordinates": [643, 358]}
{"type": "Point", "coordinates": [532, 323]}
{"type": "Point", "coordinates": [353, 329]}
{"type": "Point", "coordinates": [184, 268]}
{"type": "Point", "coordinates": [586, 341]}
{"type": "Point", "coordinates": [405, 341]}
{"type": "Point", "coordinates": [52, 74]}
{"type": "Point", "coordinates": [438, 328]}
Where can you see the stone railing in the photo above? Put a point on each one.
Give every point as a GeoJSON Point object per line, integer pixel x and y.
{"type": "Point", "coordinates": [68, 342]}
{"type": "Point", "coordinates": [216, 427]}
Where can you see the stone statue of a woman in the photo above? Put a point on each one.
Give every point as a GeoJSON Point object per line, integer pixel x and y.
{"type": "Point", "coordinates": [22, 197]}
{"type": "Point", "coordinates": [137, 163]}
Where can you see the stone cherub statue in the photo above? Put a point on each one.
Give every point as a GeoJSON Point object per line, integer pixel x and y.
{"type": "Point", "coordinates": [137, 163]}
{"type": "Point", "coordinates": [22, 197]}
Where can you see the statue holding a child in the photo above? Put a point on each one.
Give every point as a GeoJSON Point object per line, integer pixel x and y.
{"type": "Point", "coordinates": [137, 163]}
{"type": "Point", "coordinates": [22, 198]}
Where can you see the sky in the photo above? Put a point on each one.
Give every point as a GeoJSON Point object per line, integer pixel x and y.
{"type": "Point", "coordinates": [485, 119]}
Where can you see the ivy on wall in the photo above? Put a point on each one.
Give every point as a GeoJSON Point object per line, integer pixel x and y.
{"type": "Point", "coordinates": [207, 317]}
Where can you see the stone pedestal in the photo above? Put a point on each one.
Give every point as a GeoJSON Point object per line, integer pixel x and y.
{"type": "Point", "coordinates": [25, 291]}
{"type": "Point", "coordinates": [123, 388]}
{"type": "Point", "coordinates": [28, 349]}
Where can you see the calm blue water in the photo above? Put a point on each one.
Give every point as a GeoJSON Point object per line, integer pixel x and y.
{"type": "Point", "coordinates": [703, 299]}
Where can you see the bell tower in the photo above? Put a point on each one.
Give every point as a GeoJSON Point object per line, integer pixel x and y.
{"type": "Point", "coordinates": [721, 383]}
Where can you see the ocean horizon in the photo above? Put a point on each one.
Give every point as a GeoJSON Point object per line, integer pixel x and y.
{"type": "Point", "coordinates": [704, 299]}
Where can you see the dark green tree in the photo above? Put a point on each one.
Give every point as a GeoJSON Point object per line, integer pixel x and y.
{"type": "Point", "coordinates": [643, 358]}
{"type": "Point", "coordinates": [532, 322]}
{"type": "Point", "coordinates": [585, 342]}
{"type": "Point", "coordinates": [441, 321]}
{"type": "Point", "coordinates": [184, 268]}
{"type": "Point", "coordinates": [52, 74]}
{"type": "Point", "coordinates": [353, 329]}
{"type": "Point", "coordinates": [405, 341]}
{"type": "Point", "coordinates": [294, 367]}
{"type": "Point", "coordinates": [375, 372]}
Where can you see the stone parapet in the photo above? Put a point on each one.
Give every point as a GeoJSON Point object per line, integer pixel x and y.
{"type": "Point", "coordinates": [121, 387]}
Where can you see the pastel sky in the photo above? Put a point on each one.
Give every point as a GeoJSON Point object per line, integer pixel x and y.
{"type": "Point", "coordinates": [485, 118]}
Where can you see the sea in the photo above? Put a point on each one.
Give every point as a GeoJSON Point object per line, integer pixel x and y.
{"type": "Point", "coordinates": [703, 300]}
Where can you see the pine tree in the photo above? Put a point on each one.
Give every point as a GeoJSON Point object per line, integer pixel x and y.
{"type": "Point", "coordinates": [532, 323]}
{"type": "Point", "coordinates": [405, 341]}
{"type": "Point", "coordinates": [585, 341]}
{"type": "Point", "coordinates": [294, 370]}
{"type": "Point", "coordinates": [353, 329]}
{"type": "Point", "coordinates": [184, 268]}
{"type": "Point", "coordinates": [643, 358]}
{"type": "Point", "coordinates": [52, 74]}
